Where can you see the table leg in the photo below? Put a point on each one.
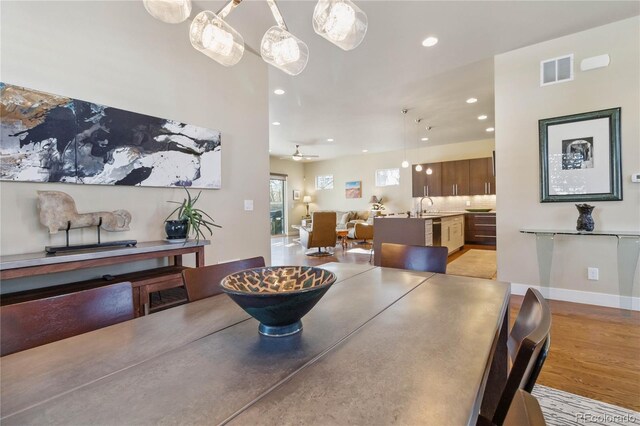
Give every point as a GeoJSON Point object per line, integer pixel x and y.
{"type": "Point", "coordinates": [177, 260]}
{"type": "Point", "coordinates": [200, 257]}
{"type": "Point", "coordinates": [498, 372]}
{"type": "Point", "coordinates": [628, 252]}
{"type": "Point", "coordinates": [544, 248]}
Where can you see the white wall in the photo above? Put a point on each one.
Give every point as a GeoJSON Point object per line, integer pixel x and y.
{"type": "Point", "coordinates": [295, 180]}
{"type": "Point", "coordinates": [115, 53]}
{"type": "Point", "coordinates": [396, 198]}
{"type": "Point", "coordinates": [520, 103]}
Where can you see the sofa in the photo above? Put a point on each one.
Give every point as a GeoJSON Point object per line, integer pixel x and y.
{"type": "Point", "coordinates": [348, 219]}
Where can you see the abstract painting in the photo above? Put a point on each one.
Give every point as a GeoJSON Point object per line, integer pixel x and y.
{"type": "Point", "coordinates": [353, 189]}
{"type": "Point", "coordinates": [51, 138]}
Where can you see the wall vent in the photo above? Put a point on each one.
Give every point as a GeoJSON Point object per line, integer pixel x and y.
{"type": "Point", "coordinates": [556, 70]}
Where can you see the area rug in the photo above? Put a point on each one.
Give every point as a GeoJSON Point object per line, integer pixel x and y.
{"type": "Point", "coordinates": [359, 251]}
{"type": "Point", "coordinates": [563, 408]}
{"type": "Point", "coordinates": [474, 263]}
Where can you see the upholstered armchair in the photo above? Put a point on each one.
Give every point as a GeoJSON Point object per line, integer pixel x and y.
{"type": "Point", "coordinates": [361, 231]}
{"type": "Point", "coordinates": [322, 234]}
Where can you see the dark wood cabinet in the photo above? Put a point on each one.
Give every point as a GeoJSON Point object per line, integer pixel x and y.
{"type": "Point", "coordinates": [427, 185]}
{"type": "Point", "coordinates": [451, 178]}
{"type": "Point", "coordinates": [455, 178]}
{"type": "Point", "coordinates": [480, 228]}
{"type": "Point", "coordinates": [481, 178]}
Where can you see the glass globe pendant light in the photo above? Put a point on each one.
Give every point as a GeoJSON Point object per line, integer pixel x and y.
{"type": "Point", "coordinates": [169, 11]}
{"type": "Point", "coordinates": [405, 163]}
{"type": "Point", "coordinates": [341, 22]}
{"type": "Point", "coordinates": [282, 49]}
{"type": "Point", "coordinates": [418, 167]}
{"type": "Point", "coordinates": [212, 36]}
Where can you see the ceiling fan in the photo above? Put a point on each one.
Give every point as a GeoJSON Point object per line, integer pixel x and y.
{"type": "Point", "coordinates": [297, 156]}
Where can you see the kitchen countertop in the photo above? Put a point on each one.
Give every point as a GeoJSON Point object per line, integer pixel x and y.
{"type": "Point", "coordinates": [434, 215]}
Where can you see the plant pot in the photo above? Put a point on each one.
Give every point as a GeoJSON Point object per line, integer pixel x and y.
{"type": "Point", "coordinates": [176, 229]}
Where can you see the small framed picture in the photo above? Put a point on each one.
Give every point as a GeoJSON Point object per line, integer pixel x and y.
{"type": "Point", "coordinates": [296, 195]}
{"type": "Point", "coordinates": [580, 157]}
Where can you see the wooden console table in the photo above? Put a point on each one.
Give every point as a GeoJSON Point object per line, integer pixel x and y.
{"type": "Point", "coordinates": [144, 282]}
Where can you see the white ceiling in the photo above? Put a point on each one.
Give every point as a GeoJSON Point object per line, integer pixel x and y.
{"type": "Point", "coordinates": [356, 97]}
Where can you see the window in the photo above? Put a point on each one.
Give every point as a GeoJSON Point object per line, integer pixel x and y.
{"type": "Point", "coordinates": [387, 177]}
{"type": "Point", "coordinates": [324, 182]}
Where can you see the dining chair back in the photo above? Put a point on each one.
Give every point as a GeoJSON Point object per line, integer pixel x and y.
{"type": "Point", "coordinates": [528, 346]}
{"type": "Point", "coordinates": [37, 322]}
{"type": "Point", "coordinates": [524, 411]}
{"type": "Point", "coordinates": [204, 282]}
{"type": "Point", "coordinates": [416, 258]}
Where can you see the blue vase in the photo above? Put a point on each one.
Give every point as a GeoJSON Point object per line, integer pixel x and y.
{"type": "Point", "coordinates": [585, 220]}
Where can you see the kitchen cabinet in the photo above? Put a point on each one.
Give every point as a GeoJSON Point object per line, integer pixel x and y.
{"type": "Point", "coordinates": [481, 178]}
{"type": "Point", "coordinates": [427, 185]}
{"type": "Point", "coordinates": [452, 232]}
{"type": "Point", "coordinates": [480, 228]}
{"type": "Point", "coordinates": [455, 178]}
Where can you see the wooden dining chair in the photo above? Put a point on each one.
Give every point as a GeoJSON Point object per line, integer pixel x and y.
{"type": "Point", "coordinates": [524, 411]}
{"type": "Point", "coordinates": [415, 258]}
{"type": "Point", "coordinates": [205, 281]}
{"type": "Point", "coordinates": [528, 346]}
{"type": "Point", "coordinates": [37, 322]}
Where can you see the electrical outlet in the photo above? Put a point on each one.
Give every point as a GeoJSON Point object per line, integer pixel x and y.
{"type": "Point", "coordinates": [248, 205]}
{"type": "Point", "coordinates": [468, 203]}
{"type": "Point", "coordinates": [592, 274]}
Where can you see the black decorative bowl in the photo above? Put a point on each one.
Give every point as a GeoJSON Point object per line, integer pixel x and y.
{"type": "Point", "coordinates": [278, 296]}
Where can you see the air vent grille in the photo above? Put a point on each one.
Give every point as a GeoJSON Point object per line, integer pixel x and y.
{"type": "Point", "coordinates": [556, 70]}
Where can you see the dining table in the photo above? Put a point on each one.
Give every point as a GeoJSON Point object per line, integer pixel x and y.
{"type": "Point", "coordinates": [383, 346]}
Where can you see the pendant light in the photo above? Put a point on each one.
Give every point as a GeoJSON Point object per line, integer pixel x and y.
{"type": "Point", "coordinates": [212, 36]}
{"type": "Point", "coordinates": [418, 166]}
{"type": "Point", "coordinates": [282, 49]}
{"type": "Point", "coordinates": [169, 11]}
{"type": "Point", "coordinates": [405, 163]}
{"type": "Point", "coordinates": [341, 22]}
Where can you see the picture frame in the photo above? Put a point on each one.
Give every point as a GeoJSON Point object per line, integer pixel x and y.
{"type": "Point", "coordinates": [580, 157]}
{"type": "Point", "coordinates": [296, 195]}
{"type": "Point", "coordinates": [353, 189]}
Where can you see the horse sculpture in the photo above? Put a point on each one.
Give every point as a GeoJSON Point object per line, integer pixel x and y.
{"type": "Point", "coordinates": [58, 213]}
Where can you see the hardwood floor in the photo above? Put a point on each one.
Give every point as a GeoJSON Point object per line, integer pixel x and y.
{"type": "Point", "coordinates": [595, 351]}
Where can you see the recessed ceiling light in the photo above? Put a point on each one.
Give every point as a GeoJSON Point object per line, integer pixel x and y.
{"type": "Point", "coordinates": [430, 41]}
{"type": "Point", "coordinates": [365, 150]}
{"type": "Point", "coordinates": [472, 100]}
{"type": "Point", "coordinates": [330, 140]}
{"type": "Point", "coordinates": [482, 117]}
{"type": "Point", "coordinates": [424, 139]}
{"type": "Point", "coordinates": [490, 129]}
{"type": "Point", "coordinates": [276, 123]}
{"type": "Point", "coordinates": [279, 92]}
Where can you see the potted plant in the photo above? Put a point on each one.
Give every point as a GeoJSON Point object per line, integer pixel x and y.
{"type": "Point", "coordinates": [190, 219]}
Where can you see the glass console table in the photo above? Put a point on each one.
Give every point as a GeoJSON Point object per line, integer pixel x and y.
{"type": "Point", "coordinates": [628, 252]}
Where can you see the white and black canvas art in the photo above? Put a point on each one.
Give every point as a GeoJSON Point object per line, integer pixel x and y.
{"type": "Point", "coordinates": [51, 138]}
{"type": "Point", "coordinates": [577, 153]}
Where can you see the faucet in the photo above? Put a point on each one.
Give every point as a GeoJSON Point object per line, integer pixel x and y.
{"type": "Point", "coordinates": [421, 208]}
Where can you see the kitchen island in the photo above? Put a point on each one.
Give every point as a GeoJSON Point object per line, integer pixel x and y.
{"type": "Point", "coordinates": [436, 229]}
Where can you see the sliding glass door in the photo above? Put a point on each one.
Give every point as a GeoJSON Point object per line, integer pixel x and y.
{"type": "Point", "coordinates": [277, 188]}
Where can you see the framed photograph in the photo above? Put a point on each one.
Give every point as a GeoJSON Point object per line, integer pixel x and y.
{"type": "Point", "coordinates": [580, 157]}
{"type": "Point", "coordinates": [353, 189]}
{"type": "Point", "coordinates": [296, 195]}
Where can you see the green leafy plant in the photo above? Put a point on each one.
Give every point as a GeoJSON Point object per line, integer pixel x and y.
{"type": "Point", "coordinates": [197, 219]}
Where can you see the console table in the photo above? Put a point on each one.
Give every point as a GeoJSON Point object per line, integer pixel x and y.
{"type": "Point", "coordinates": [628, 252]}
{"type": "Point", "coordinates": [143, 282]}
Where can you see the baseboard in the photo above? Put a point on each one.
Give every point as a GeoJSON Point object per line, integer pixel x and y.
{"type": "Point", "coordinates": [584, 297]}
